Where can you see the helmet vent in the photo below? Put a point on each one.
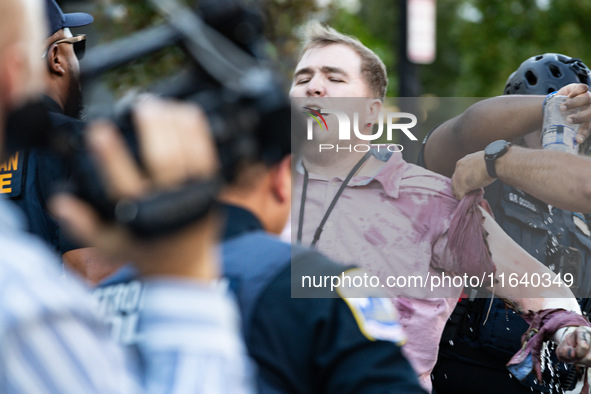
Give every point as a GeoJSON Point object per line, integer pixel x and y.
{"type": "Point", "coordinates": [555, 71]}
{"type": "Point", "coordinates": [539, 57]}
{"type": "Point", "coordinates": [531, 77]}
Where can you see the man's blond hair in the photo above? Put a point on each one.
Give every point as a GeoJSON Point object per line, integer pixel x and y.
{"type": "Point", "coordinates": [372, 68]}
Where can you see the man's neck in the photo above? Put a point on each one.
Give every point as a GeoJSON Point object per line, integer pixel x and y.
{"type": "Point", "coordinates": [248, 201]}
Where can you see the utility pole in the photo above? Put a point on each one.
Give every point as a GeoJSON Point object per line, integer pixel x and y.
{"type": "Point", "coordinates": [416, 45]}
{"type": "Point", "coordinates": [409, 84]}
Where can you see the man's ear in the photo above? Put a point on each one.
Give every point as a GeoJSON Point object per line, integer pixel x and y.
{"type": "Point", "coordinates": [55, 61]}
{"type": "Point", "coordinates": [373, 110]}
{"type": "Point", "coordinates": [281, 180]}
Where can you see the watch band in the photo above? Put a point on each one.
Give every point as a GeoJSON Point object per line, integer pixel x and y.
{"type": "Point", "coordinates": [492, 152]}
{"type": "Point", "coordinates": [490, 167]}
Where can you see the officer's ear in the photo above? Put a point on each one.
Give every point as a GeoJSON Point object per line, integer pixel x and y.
{"type": "Point", "coordinates": [281, 180]}
{"type": "Point", "coordinates": [56, 61]}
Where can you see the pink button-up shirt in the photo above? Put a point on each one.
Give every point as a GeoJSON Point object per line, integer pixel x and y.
{"type": "Point", "coordinates": [392, 224]}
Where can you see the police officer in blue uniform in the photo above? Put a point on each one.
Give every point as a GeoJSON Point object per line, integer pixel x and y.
{"type": "Point", "coordinates": [480, 338]}
{"type": "Point", "coordinates": [322, 340]}
{"type": "Point", "coordinates": [308, 345]}
{"type": "Point", "coordinates": [29, 176]}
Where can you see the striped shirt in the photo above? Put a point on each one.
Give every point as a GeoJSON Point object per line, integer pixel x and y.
{"type": "Point", "coordinates": [52, 340]}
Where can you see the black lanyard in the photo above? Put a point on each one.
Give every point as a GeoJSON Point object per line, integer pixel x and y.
{"type": "Point", "coordinates": [320, 227]}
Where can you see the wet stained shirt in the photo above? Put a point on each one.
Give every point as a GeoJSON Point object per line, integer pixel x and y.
{"type": "Point", "coordinates": [394, 225]}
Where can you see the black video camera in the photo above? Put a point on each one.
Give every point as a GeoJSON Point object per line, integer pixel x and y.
{"type": "Point", "coordinates": [248, 111]}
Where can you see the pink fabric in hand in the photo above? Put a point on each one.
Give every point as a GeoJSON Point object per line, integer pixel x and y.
{"type": "Point", "coordinates": [466, 236]}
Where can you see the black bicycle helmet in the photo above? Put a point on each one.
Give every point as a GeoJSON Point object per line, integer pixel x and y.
{"type": "Point", "coordinates": [547, 73]}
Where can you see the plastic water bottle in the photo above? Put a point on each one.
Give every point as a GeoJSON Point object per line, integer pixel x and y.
{"type": "Point", "coordinates": [557, 133]}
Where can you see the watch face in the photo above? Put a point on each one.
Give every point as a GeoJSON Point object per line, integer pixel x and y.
{"type": "Point", "coordinates": [496, 147]}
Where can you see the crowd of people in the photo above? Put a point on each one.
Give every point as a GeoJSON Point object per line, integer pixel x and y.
{"type": "Point", "coordinates": [88, 305]}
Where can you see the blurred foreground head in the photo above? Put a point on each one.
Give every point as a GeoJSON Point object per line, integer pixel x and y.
{"type": "Point", "coordinates": [22, 30]}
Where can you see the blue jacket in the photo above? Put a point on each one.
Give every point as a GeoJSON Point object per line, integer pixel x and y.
{"type": "Point", "coordinates": [303, 345]}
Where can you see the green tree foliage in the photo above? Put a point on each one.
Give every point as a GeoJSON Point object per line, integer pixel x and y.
{"type": "Point", "coordinates": [119, 19]}
{"type": "Point", "coordinates": [476, 58]}
{"type": "Point", "coordinates": [479, 42]}
{"type": "Point", "coordinates": [282, 17]}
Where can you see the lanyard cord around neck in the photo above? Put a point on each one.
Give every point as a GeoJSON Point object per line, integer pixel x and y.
{"type": "Point", "coordinates": [320, 227]}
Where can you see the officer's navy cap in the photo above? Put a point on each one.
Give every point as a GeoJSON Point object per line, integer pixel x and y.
{"type": "Point", "coordinates": [58, 20]}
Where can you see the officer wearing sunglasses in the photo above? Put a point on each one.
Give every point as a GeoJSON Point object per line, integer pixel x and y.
{"type": "Point", "coordinates": [78, 43]}
{"type": "Point", "coordinates": [28, 177]}
{"type": "Point", "coordinates": [62, 54]}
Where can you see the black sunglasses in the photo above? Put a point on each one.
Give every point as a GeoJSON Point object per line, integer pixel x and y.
{"type": "Point", "coordinates": [79, 42]}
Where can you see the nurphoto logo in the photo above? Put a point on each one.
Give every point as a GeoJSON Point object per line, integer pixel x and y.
{"type": "Point", "coordinates": [392, 119]}
{"type": "Point", "coordinates": [315, 115]}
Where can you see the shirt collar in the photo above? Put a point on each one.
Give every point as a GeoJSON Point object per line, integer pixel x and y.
{"type": "Point", "coordinates": [356, 180]}
{"type": "Point", "coordinates": [239, 221]}
{"type": "Point", "coordinates": [389, 175]}
{"type": "Point", "coordinates": [52, 105]}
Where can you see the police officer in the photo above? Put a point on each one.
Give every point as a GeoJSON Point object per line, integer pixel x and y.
{"type": "Point", "coordinates": [30, 176]}
{"type": "Point", "coordinates": [337, 341]}
{"type": "Point", "coordinates": [480, 338]}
